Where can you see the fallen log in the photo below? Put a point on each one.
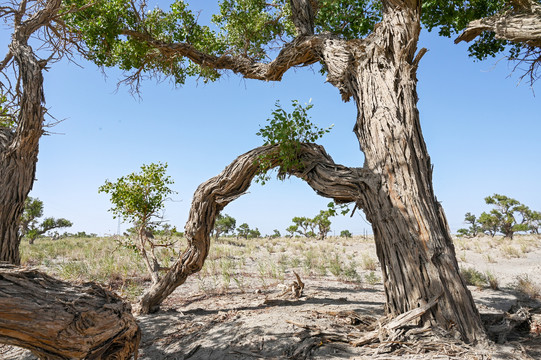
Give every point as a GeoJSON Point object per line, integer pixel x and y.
{"type": "Point", "coordinates": [58, 320]}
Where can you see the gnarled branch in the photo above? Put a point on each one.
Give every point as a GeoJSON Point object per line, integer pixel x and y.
{"type": "Point", "coordinates": [521, 24]}
{"type": "Point", "coordinates": [302, 51]}
{"type": "Point", "coordinates": [328, 179]}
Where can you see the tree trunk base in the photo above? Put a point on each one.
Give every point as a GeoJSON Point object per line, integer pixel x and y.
{"type": "Point", "coordinates": [58, 320]}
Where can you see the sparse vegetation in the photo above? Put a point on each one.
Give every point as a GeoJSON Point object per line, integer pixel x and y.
{"type": "Point", "coordinates": [473, 277]}
{"type": "Point", "coordinates": [526, 286]}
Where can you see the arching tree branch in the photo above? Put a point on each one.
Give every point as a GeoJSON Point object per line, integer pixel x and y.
{"type": "Point", "coordinates": [302, 51]}
{"type": "Point", "coordinates": [328, 179]}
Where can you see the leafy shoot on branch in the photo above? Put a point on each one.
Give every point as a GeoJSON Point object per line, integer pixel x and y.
{"type": "Point", "coordinates": [288, 131]}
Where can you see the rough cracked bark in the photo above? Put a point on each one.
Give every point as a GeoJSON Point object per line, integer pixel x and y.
{"type": "Point", "coordinates": [412, 237]}
{"type": "Point", "coordinates": [520, 24]}
{"type": "Point", "coordinates": [319, 170]}
{"type": "Point", "coordinates": [58, 320]}
{"type": "Point", "coordinates": [19, 148]}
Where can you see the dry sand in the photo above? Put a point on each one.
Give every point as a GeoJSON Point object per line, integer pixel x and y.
{"type": "Point", "coordinates": [210, 317]}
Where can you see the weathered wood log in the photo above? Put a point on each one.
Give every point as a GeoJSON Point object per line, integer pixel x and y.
{"type": "Point", "coordinates": [58, 320]}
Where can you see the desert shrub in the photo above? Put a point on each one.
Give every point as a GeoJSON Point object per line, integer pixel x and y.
{"type": "Point", "coordinates": [473, 277]}
{"type": "Point", "coordinates": [372, 278]}
{"type": "Point", "coordinates": [509, 251]}
{"type": "Point", "coordinates": [368, 262]}
{"type": "Point", "coordinates": [525, 285]}
{"type": "Point", "coordinates": [492, 280]}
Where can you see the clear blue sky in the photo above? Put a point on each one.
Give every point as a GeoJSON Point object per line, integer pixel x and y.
{"type": "Point", "coordinates": [481, 128]}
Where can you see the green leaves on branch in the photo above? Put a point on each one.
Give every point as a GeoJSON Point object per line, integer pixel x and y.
{"type": "Point", "coordinates": [450, 17]}
{"type": "Point", "coordinates": [104, 29]}
{"type": "Point", "coordinates": [288, 131]}
{"type": "Point", "coordinates": [139, 197]}
{"type": "Point", "coordinates": [351, 19]}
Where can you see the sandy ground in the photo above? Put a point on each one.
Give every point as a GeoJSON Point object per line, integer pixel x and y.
{"type": "Point", "coordinates": [249, 318]}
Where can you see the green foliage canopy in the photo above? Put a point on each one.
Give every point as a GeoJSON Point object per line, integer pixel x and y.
{"type": "Point", "coordinates": [450, 17]}
{"type": "Point", "coordinates": [139, 197]}
{"type": "Point", "coordinates": [119, 33]}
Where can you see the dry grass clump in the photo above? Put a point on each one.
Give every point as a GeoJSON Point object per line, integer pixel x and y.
{"type": "Point", "coordinates": [368, 262]}
{"type": "Point", "coordinates": [90, 259]}
{"type": "Point", "coordinates": [509, 251]}
{"type": "Point", "coordinates": [526, 286]}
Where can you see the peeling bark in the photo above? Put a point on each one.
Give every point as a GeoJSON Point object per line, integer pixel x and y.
{"type": "Point", "coordinates": [319, 170]}
{"type": "Point", "coordinates": [520, 24]}
{"type": "Point", "coordinates": [58, 320]}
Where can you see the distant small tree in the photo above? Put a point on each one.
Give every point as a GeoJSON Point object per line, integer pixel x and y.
{"type": "Point", "coordinates": [254, 233]}
{"type": "Point", "coordinates": [305, 226]}
{"type": "Point", "coordinates": [224, 225]}
{"type": "Point", "coordinates": [276, 234]}
{"type": "Point", "coordinates": [322, 224]}
{"type": "Point", "coordinates": [474, 227]}
{"type": "Point", "coordinates": [345, 233]}
{"type": "Point", "coordinates": [534, 222]}
{"type": "Point", "coordinates": [291, 230]}
{"type": "Point", "coordinates": [139, 198]}
{"type": "Point", "coordinates": [507, 210]}
{"type": "Point", "coordinates": [243, 230]}
{"type": "Point", "coordinates": [30, 227]}
{"type": "Point", "coordinates": [490, 223]}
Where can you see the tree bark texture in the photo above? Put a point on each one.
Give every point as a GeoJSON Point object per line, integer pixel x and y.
{"type": "Point", "coordinates": [58, 320]}
{"type": "Point", "coordinates": [319, 171]}
{"type": "Point", "coordinates": [394, 188]}
{"type": "Point", "coordinates": [19, 147]}
{"type": "Point", "coordinates": [520, 24]}
{"type": "Point", "coordinates": [412, 237]}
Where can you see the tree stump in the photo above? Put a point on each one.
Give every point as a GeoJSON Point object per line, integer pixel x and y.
{"type": "Point", "coordinates": [58, 320]}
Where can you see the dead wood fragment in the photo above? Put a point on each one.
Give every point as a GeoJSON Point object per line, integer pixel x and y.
{"type": "Point", "coordinates": [58, 320]}
{"type": "Point", "coordinates": [395, 324]}
{"type": "Point", "coordinates": [296, 288]}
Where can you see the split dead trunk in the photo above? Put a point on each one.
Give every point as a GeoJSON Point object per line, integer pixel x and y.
{"type": "Point", "coordinates": [58, 320]}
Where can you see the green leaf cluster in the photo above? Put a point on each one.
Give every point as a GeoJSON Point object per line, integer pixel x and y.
{"type": "Point", "coordinates": [7, 120]}
{"type": "Point", "coordinates": [450, 17]}
{"type": "Point", "coordinates": [288, 130]}
{"type": "Point", "coordinates": [139, 197]}
{"type": "Point", "coordinates": [352, 19]}
{"type": "Point", "coordinates": [103, 28]}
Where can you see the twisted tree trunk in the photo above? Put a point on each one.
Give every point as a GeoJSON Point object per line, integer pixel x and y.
{"type": "Point", "coordinates": [19, 147]}
{"type": "Point", "coordinates": [58, 320]}
{"type": "Point", "coordinates": [19, 150]}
